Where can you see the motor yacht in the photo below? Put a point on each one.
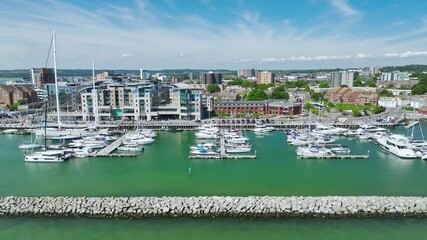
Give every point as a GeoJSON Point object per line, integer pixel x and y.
{"type": "Point", "coordinates": [314, 151]}
{"type": "Point", "coordinates": [323, 129]}
{"type": "Point", "coordinates": [397, 145]}
{"type": "Point", "coordinates": [49, 156]}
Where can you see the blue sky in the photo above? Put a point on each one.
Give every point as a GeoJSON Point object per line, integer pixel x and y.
{"type": "Point", "coordinates": [213, 34]}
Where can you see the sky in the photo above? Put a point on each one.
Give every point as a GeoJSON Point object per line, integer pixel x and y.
{"type": "Point", "coordinates": [213, 34]}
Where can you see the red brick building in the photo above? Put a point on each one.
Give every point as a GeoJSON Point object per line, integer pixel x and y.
{"type": "Point", "coordinates": [259, 107]}
{"type": "Point", "coordinates": [11, 94]}
{"type": "Point", "coordinates": [6, 95]}
{"type": "Point", "coordinates": [346, 95]}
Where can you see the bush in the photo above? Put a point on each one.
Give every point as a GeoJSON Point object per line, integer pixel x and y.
{"type": "Point", "coordinates": [378, 109]}
{"type": "Point", "coordinates": [356, 113]}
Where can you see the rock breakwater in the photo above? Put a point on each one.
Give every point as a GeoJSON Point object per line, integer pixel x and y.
{"type": "Point", "coordinates": [253, 207]}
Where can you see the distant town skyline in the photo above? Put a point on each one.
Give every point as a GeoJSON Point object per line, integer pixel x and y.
{"type": "Point", "coordinates": [213, 34]}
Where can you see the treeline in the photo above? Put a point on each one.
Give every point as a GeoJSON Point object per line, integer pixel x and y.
{"type": "Point", "coordinates": [414, 68]}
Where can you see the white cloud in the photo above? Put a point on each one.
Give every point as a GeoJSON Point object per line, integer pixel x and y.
{"type": "Point", "coordinates": [390, 54]}
{"type": "Point", "coordinates": [124, 55]}
{"type": "Point", "coordinates": [344, 7]}
{"type": "Point", "coordinates": [413, 54]}
{"type": "Point", "coordinates": [362, 55]}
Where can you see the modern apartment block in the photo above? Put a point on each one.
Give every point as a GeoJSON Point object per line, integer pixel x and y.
{"type": "Point", "coordinates": [68, 96]}
{"type": "Point", "coordinates": [145, 100]}
{"type": "Point", "coordinates": [210, 78]}
{"type": "Point", "coordinates": [341, 78]}
{"type": "Point", "coordinates": [265, 77]}
{"type": "Point", "coordinates": [395, 76]}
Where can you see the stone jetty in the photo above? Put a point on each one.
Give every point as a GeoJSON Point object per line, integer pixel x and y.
{"type": "Point", "coordinates": [208, 207]}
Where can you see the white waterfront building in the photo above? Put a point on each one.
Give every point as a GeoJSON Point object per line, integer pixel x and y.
{"type": "Point", "coordinates": [146, 100]}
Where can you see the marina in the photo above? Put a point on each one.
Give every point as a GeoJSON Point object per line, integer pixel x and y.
{"type": "Point", "coordinates": [162, 169]}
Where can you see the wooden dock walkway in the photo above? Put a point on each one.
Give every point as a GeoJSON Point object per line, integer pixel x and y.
{"type": "Point", "coordinates": [115, 155]}
{"type": "Point", "coordinates": [227, 156]}
{"type": "Point", "coordinates": [222, 151]}
{"type": "Point", "coordinates": [111, 147]}
{"type": "Point", "coordinates": [412, 124]}
{"type": "Point", "coordinates": [337, 157]}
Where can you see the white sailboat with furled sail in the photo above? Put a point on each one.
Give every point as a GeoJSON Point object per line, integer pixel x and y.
{"type": "Point", "coordinates": [58, 133]}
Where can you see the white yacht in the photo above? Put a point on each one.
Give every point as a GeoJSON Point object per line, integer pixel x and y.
{"type": "Point", "coordinates": [11, 131]}
{"type": "Point", "coordinates": [237, 140]}
{"type": "Point", "coordinates": [81, 152]}
{"type": "Point", "coordinates": [238, 150]}
{"type": "Point", "coordinates": [366, 128]}
{"type": "Point", "coordinates": [49, 156]}
{"type": "Point", "coordinates": [204, 152]}
{"type": "Point", "coordinates": [204, 146]}
{"type": "Point", "coordinates": [261, 128]}
{"type": "Point", "coordinates": [130, 148]}
{"type": "Point", "coordinates": [397, 145]}
{"type": "Point", "coordinates": [417, 144]}
{"type": "Point", "coordinates": [206, 135]}
{"type": "Point", "coordinates": [323, 129]}
{"type": "Point", "coordinates": [341, 150]}
{"type": "Point", "coordinates": [314, 151]}
{"type": "Point", "coordinates": [351, 133]}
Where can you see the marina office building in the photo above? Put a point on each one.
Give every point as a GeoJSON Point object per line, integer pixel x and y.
{"type": "Point", "coordinates": [145, 100]}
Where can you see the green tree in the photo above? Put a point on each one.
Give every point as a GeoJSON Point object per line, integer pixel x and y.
{"type": "Point", "coordinates": [256, 95]}
{"type": "Point", "coordinates": [390, 86]}
{"type": "Point", "coordinates": [358, 83]}
{"type": "Point", "coordinates": [371, 83]}
{"type": "Point", "coordinates": [308, 105]}
{"type": "Point", "coordinates": [385, 93]}
{"type": "Point", "coordinates": [316, 96]}
{"type": "Point", "coordinates": [356, 113]}
{"type": "Point", "coordinates": [213, 88]}
{"type": "Point", "coordinates": [324, 85]}
{"type": "Point", "coordinates": [247, 83]}
{"type": "Point", "coordinates": [419, 89]}
{"type": "Point", "coordinates": [301, 84]}
{"type": "Point", "coordinates": [236, 81]}
{"type": "Point", "coordinates": [378, 109]}
{"type": "Point", "coordinates": [279, 95]}
{"type": "Point", "coordinates": [16, 104]}
{"type": "Point", "coordinates": [265, 86]}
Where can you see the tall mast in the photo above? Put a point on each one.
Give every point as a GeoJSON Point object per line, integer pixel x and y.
{"type": "Point", "coordinates": [56, 78]}
{"type": "Point", "coordinates": [94, 95]}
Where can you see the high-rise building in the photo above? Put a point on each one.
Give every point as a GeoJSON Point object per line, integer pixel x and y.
{"type": "Point", "coordinates": [395, 76]}
{"type": "Point", "coordinates": [210, 78]}
{"type": "Point", "coordinates": [342, 78]}
{"type": "Point", "coordinates": [373, 70]}
{"type": "Point", "coordinates": [42, 76]}
{"type": "Point", "coordinates": [247, 73]}
{"type": "Point", "coordinates": [265, 77]}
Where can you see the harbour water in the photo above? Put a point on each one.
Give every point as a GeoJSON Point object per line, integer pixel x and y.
{"type": "Point", "coordinates": [163, 169]}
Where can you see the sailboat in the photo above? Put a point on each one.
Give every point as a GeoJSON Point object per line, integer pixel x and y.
{"type": "Point", "coordinates": [47, 156]}
{"type": "Point", "coordinates": [58, 133]}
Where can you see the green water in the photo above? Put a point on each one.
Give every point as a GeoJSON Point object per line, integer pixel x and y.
{"type": "Point", "coordinates": [26, 228]}
{"type": "Point", "coordinates": [162, 169]}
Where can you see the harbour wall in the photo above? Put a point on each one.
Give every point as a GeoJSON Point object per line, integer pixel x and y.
{"type": "Point", "coordinates": [212, 206]}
